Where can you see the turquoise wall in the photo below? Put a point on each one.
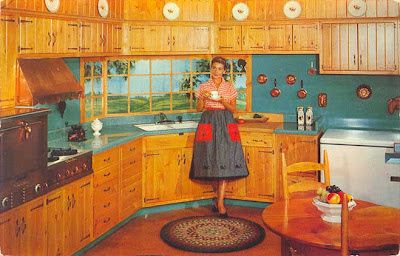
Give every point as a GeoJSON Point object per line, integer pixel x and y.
{"type": "Point", "coordinates": [343, 103]}
{"type": "Point", "coordinates": [71, 114]}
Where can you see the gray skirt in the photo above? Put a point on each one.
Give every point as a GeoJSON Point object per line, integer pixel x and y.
{"type": "Point", "coordinates": [217, 151]}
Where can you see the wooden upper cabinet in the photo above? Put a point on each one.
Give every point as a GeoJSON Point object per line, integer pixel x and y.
{"type": "Point", "coordinates": [359, 48]}
{"type": "Point", "coordinates": [229, 38]}
{"type": "Point", "coordinates": [280, 37]}
{"type": "Point", "coordinates": [27, 35]}
{"type": "Point", "coordinates": [254, 38]}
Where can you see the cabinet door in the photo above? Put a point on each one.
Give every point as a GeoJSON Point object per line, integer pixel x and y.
{"type": "Point", "coordinates": [83, 206]}
{"type": "Point", "coordinates": [86, 39]}
{"type": "Point", "coordinates": [305, 37]}
{"type": "Point", "coordinates": [260, 183]}
{"type": "Point", "coordinates": [136, 35]}
{"type": "Point", "coordinates": [182, 38]}
{"type": "Point", "coordinates": [71, 217]}
{"type": "Point", "coordinates": [201, 39]}
{"type": "Point", "coordinates": [386, 38]}
{"type": "Point", "coordinates": [157, 38]}
{"type": "Point", "coordinates": [71, 37]}
{"type": "Point", "coordinates": [9, 232]}
{"type": "Point", "coordinates": [33, 229]}
{"type": "Point", "coordinates": [55, 222]}
{"type": "Point", "coordinates": [280, 37]}
{"type": "Point", "coordinates": [229, 38]}
{"type": "Point", "coordinates": [192, 188]}
{"type": "Point", "coordinates": [44, 37]}
{"type": "Point", "coordinates": [117, 38]}
{"type": "Point", "coordinates": [152, 177]}
{"type": "Point", "coordinates": [27, 35]}
{"type": "Point", "coordinates": [253, 38]}
{"type": "Point", "coordinates": [8, 54]}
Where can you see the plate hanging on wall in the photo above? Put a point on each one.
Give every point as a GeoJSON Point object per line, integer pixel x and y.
{"type": "Point", "coordinates": [262, 78]}
{"type": "Point", "coordinates": [357, 8]}
{"type": "Point", "coordinates": [171, 11]}
{"type": "Point", "coordinates": [292, 9]}
{"type": "Point", "coordinates": [52, 5]}
{"type": "Point", "coordinates": [102, 7]}
{"type": "Point", "coordinates": [240, 11]}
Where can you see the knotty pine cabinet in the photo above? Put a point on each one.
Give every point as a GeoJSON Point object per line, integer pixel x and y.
{"type": "Point", "coordinates": [8, 55]}
{"type": "Point", "coordinates": [297, 148]}
{"type": "Point", "coordinates": [359, 48]}
{"type": "Point", "coordinates": [162, 38]}
{"type": "Point", "coordinates": [235, 38]}
{"type": "Point", "coordinates": [296, 38]}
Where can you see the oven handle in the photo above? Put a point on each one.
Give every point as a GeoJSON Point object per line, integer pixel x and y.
{"type": "Point", "coordinates": [395, 178]}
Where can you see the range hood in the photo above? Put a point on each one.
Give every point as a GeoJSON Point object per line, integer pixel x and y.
{"type": "Point", "coordinates": [45, 81]}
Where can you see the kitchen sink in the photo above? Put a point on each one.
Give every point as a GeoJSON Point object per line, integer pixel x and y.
{"type": "Point", "coordinates": [167, 126]}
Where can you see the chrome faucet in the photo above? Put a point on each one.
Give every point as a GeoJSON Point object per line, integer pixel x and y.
{"type": "Point", "coordinates": [162, 118]}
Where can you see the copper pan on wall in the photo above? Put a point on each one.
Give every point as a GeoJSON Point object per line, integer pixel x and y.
{"type": "Point", "coordinates": [301, 93]}
{"type": "Point", "coordinates": [275, 92]}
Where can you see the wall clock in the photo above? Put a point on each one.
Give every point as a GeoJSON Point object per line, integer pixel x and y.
{"type": "Point", "coordinates": [52, 5]}
{"type": "Point", "coordinates": [102, 7]}
{"type": "Point", "coordinates": [292, 9]}
{"type": "Point", "coordinates": [357, 8]}
{"type": "Point", "coordinates": [240, 11]}
{"type": "Point", "coordinates": [171, 11]}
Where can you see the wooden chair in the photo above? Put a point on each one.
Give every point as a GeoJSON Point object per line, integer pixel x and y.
{"type": "Point", "coordinates": [306, 185]}
{"type": "Point", "coordinates": [344, 227]}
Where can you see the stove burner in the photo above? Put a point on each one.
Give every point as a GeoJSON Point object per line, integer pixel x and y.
{"type": "Point", "coordinates": [63, 152]}
{"type": "Point", "coordinates": [52, 158]}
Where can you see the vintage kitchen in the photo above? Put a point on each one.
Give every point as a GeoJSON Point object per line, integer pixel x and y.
{"type": "Point", "coordinates": [98, 116]}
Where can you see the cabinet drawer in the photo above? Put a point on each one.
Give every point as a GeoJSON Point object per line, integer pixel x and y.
{"type": "Point", "coordinates": [131, 167]}
{"type": "Point", "coordinates": [105, 207]}
{"type": "Point", "coordinates": [131, 193]}
{"type": "Point", "coordinates": [169, 141]}
{"type": "Point", "coordinates": [105, 159]}
{"type": "Point", "coordinates": [131, 149]}
{"type": "Point", "coordinates": [258, 139]}
{"type": "Point", "coordinates": [106, 175]}
{"type": "Point", "coordinates": [105, 190]}
{"type": "Point", "coordinates": [103, 223]}
{"type": "Point", "coordinates": [135, 178]}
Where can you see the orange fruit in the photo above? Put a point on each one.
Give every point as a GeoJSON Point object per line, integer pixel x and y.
{"type": "Point", "coordinates": [333, 198]}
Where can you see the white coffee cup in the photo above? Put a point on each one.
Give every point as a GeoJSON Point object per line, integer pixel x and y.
{"type": "Point", "coordinates": [214, 95]}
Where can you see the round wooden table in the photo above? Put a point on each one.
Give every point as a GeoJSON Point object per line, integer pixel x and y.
{"type": "Point", "coordinates": [373, 229]}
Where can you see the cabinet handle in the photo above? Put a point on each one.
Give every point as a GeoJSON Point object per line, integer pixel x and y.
{"type": "Point", "coordinates": [173, 41]}
{"type": "Point", "coordinates": [24, 48]}
{"type": "Point", "coordinates": [267, 151]}
{"type": "Point", "coordinates": [48, 201]}
{"type": "Point", "coordinates": [54, 39]}
{"type": "Point", "coordinates": [107, 220]}
{"type": "Point", "coordinates": [243, 41]}
{"type": "Point", "coordinates": [132, 149]}
{"type": "Point", "coordinates": [68, 203]}
{"type": "Point", "coordinates": [184, 159]}
{"type": "Point", "coordinates": [25, 21]}
{"type": "Point", "coordinates": [106, 159]}
{"type": "Point", "coordinates": [294, 39]}
{"type": "Point", "coordinates": [289, 40]}
{"type": "Point", "coordinates": [86, 237]}
{"type": "Point", "coordinates": [107, 205]}
{"type": "Point", "coordinates": [225, 47]}
{"type": "Point", "coordinates": [72, 25]}
{"type": "Point", "coordinates": [49, 42]}
{"type": "Point", "coordinates": [248, 158]}
{"type": "Point", "coordinates": [271, 195]}
{"type": "Point", "coordinates": [238, 40]}
{"type": "Point", "coordinates": [17, 228]}
{"type": "Point", "coordinates": [354, 59]}
{"type": "Point", "coordinates": [83, 48]}
{"type": "Point", "coordinates": [132, 190]}
{"type": "Point", "coordinates": [23, 225]}
{"type": "Point", "coordinates": [151, 199]}
{"type": "Point", "coordinates": [73, 201]}
{"type": "Point", "coordinates": [360, 59]}
{"type": "Point", "coordinates": [86, 184]}
{"type": "Point", "coordinates": [107, 174]}
{"type": "Point", "coordinates": [155, 154]}
{"type": "Point", "coordinates": [395, 178]}
{"type": "Point", "coordinates": [168, 41]}
{"type": "Point", "coordinates": [85, 25]}
{"type": "Point", "coordinates": [37, 207]}
{"type": "Point", "coordinates": [107, 189]}
{"type": "Point", "coordinates": [179, 159]}
{"type": "Point", "coordinates": [72, 48]}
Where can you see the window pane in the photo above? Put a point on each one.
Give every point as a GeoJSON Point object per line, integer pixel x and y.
{"type": "Point", "coordinates": [161, 66]}
{"type": "Point", "coordinates": [139, 84]}
{"type": "Point", "coordinates": [160, 102]}
{"type": "Point", "coordinates": [117, 67]}
{"type": "Point", "coordinates": [199, 79]}
{"type": "Point", "coordinates": [117, 104]}
{"type": "Point", "coordinates": [161, 84]}
{"type": "Point", "coordinates": [140, 103]}
{"type": "Point", "coordinates": [239, 81]}
{"type": "Point", "coordinates": [88, 87]}
{"type": "Point", "coordinates": [88, 69]}
{"type": "Point", "coordinates": [180, 83]}
{"type": "Point", "coordinates": [228, 65]}
{"type": "Point", "coordinates": [117, 85]}
{"type": "Point", "coordinates": [140, 67]}
{"type": "Point", "coordinates": [241, 100]}
{"type": "Point", "coordinates": [180, 66]}
{"type": "Point", "coordinates": [181, 101]}
{"type": "Point", "coordinates": [98, 86]}
{"type": "Point", "coordinates": [227, 77]}
{"type": "Point", "coordinates": [199, 66]}
{"type": "Point", "coordinates": [98, 107]}
{"type": "Point", "coordinates": [239, 65]}
{"type": "Point", "coordinates": [88, 108]}
{"type": "Point", "coordinates": [97, 70]}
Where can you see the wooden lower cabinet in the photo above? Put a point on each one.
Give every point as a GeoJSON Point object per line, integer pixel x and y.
{"type": "Point", "coordinates": [55, 202]}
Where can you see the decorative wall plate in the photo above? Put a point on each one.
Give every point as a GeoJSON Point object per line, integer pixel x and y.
{"type": "Point", "coordinates": [52, 5]}
{"type": "Point", "coordinates": [240, 11]}
{"type": "Point", "coordinates": [292, 9]}
{"type": "Point", "coordinates": [357, 8]}
{"type": "Point", "coordinates": [102, 7]}
{"type": "Point", "coordinates": [290, 79]}
{"type": "Point", "coordinates": [364, 91]}
{"type": "Point", "coordinates": [262, 78]}
{"type": "Point", "coordinates": [171, 11]}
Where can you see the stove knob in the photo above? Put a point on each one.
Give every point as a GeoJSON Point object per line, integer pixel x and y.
{"type": "Point", "coordinates": [84, 166]}
{"type": "Point", "coordinates": [59, 177]}
{"type": "Point", "coordinates": [38, 188]}
{"type": "Point", "coordinates": [5, 202]}
{"type": "Point", "coordinates": [68, 173]}
{"type": "Point", "coordinates": [77, 170]}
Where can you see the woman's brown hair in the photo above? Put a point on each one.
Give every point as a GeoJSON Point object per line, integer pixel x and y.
{"type": "Point", "coordinates": [219, 60]}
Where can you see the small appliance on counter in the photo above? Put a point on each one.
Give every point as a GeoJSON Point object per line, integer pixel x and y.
{"type": "Point", "coordinates": [76, 133]}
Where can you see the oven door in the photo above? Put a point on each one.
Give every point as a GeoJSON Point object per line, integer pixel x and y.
{"type": "Point", "coordinates": [23, 147]}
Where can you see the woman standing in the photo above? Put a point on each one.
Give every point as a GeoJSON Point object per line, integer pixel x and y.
{"type": "Point", "coordinates": [217, 153]}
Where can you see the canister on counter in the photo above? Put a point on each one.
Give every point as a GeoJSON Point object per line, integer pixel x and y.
{"type": "Point", "coordinates": [309, 116]}
{"type": "Point", "coordinates": [300, 115]}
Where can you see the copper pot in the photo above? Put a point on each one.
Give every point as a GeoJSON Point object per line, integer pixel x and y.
{"type": "Point", "coordinates": [275, 92]}
{"type": "Point", "coordinates": [301, 93]}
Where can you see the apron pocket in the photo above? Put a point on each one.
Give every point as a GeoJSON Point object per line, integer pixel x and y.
{"type": "Point", "coordinates": [204, 132]}
{"type": "Point", "coordinates": [233, 132]}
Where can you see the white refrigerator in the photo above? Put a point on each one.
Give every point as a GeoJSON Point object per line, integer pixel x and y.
{"type": "Point", "coordinates": [358, 167]}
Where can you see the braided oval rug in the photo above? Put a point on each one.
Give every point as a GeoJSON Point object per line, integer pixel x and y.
{"type": "Point", "coordinates": [212, 234]}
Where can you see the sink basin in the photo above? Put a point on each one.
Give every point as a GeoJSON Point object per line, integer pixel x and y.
{"type": "Point", "coordinates": [161, 127]}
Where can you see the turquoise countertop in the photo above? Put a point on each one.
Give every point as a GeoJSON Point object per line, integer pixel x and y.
{"type": "Point", "coordinates": [114, 135]}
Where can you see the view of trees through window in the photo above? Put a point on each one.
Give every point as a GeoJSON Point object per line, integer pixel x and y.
{"type": "Point", "coordinates": [146, 85]}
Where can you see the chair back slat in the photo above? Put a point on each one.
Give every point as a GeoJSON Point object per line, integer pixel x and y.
{"type": "Point", "coordinates": [345, 227]}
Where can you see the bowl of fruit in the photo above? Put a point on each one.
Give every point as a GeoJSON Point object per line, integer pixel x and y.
{"type": "Point", "coordinates": [329, 202]}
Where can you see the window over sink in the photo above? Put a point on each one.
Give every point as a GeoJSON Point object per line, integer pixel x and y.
{"type": "Point", "coordinates": [150, 84]}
